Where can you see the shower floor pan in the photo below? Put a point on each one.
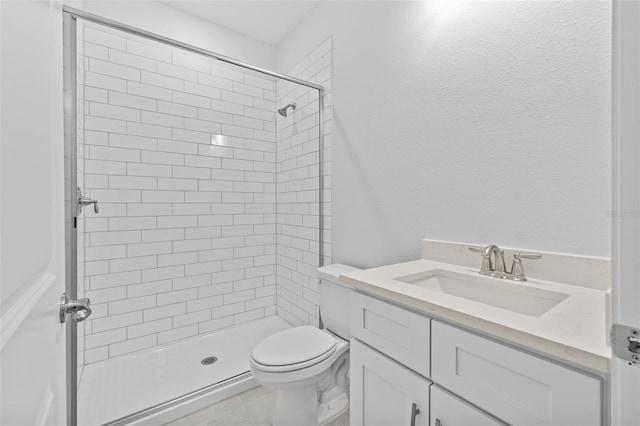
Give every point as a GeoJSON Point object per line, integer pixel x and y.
{"type": "Point", "coordinates": [111, 391]}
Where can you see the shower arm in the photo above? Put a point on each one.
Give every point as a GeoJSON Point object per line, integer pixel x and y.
{"type": "Point", "coordinates": [283, 111]}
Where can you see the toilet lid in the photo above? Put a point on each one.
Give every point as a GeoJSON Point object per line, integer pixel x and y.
{"type": "Point", "coordinates": [293, 346]}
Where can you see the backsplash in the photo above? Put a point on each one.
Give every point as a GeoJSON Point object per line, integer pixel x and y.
{"type": "Point", "coordinates": [583, 271]}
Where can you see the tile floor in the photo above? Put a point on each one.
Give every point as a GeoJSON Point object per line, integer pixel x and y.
{"type": "Point", "coordinates": [251, 408]}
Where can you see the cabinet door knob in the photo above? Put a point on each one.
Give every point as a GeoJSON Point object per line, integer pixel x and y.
{"type": "Point", "coordinates": [414, 412]}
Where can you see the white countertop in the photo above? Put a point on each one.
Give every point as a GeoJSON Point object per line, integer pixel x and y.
{"type": "Point", "coordinates": [574, 330]}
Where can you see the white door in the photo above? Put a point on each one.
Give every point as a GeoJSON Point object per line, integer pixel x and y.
{"type": "Point", "coordinates": [625, 378]}
{"type": "Point", "coordinates": [384, 392]}
{"type": "Point", "coordinates": [448, 410]}
{"type": "Point", "coordinates": [32, 270]}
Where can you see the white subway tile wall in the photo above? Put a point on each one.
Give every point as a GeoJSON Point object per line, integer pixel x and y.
{"type": "Point", "coordinates": [181, 154]}
{"type": "Point", "coordinates": [298, 171]}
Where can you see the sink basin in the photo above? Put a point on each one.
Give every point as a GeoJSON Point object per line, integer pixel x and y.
{"type": "Point", "coordinates": [509, 295]}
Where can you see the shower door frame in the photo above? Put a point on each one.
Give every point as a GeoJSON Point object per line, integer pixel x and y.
{"type": "Point", "coordinates": [70, 17]}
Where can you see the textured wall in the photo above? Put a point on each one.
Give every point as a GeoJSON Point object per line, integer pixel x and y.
{"type": "Point", "coordinates": [160, 18]}
{"type": "Point", "coordinates": [476, 121]}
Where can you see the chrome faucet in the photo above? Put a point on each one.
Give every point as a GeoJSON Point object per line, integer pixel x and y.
{"type": "Point", "coordinates": [493, 268]}
{"type": "Point", "coordinates": [496, 268]}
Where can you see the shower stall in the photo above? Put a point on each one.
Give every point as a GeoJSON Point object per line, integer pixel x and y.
{"type": "Point", "coordinates": [195, 217]}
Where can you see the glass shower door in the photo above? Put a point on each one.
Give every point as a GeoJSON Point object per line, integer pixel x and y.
{"type": "Point", "coordinates": [207, 224]}
{"type": "Point", "coordinates": [75, 305]}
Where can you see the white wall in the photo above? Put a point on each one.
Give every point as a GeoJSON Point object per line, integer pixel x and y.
{"type": "Point", "coordinates": [488, 122]}
{"type": "Point", "coordinates": [162, 19]}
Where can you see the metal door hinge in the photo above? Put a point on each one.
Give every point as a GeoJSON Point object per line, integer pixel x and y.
{"type": "Point", "coordinates": [625, 342]}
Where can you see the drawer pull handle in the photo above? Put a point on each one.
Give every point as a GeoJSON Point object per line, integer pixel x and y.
{"type": "Point", "coordinates": [414, 412]}
{"type": "Point", "coordinates": [438, 423]}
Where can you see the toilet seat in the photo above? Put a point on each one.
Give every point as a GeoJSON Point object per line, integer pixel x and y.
{"type": "Point", "coordinates": [293, 349]}
{"type": "Point", "coordinates": [297, 366]}
{"type": "Point", "coordinates": [289, 377]}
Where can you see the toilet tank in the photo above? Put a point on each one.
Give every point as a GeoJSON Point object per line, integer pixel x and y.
{"type": "Point", "coordinates": [335, 299]}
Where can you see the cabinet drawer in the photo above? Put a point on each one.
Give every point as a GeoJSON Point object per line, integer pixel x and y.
{"type": "Point", "coordinates": [383, 392]}
{"type": "Point", "coordinates": [514, 386]}
{"type": "Point", "coordinates": [448, 410]}
{"type": "Point", "coordinates": [394, 331]}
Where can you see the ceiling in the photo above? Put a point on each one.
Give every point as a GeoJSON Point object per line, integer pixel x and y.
{"type": "Point", "coordinates": [266, 20]}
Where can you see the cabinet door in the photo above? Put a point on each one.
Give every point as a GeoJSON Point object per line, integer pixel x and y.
{"type": "Point", "coordinates": [384, 392]}
{"type": "Point", "coordinates": [448, 410]}
{"type": "Point", "coordinates": [395, 331]}
{"type": "Point", "coordinates": [512, 385]}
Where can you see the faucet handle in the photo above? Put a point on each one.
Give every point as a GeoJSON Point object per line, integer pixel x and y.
{"type": "Point", "coordinates": [527, 255]}
{"type": "Point", "coordinates": [480, 249]}
{"type": "Point", "coordinates": [486, 261]}
{"type": "Point", "coordinates": [517, 270]}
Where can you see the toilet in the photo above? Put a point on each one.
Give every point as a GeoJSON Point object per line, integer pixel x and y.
{"type": "Point", "coordinates": [309, 367]}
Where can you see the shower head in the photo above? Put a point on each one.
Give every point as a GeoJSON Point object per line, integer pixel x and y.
{"type": "Point", "coordinates": [283, 111]}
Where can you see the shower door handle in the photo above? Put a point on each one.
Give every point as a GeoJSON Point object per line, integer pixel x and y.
{"type": "Point", "coordinates": [79, 309]}
{"type": "Point", "coordinates": [86, 201]}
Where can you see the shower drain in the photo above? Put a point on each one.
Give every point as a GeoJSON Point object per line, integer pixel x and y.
{"type": "Point", "coordinates": [209, 360]}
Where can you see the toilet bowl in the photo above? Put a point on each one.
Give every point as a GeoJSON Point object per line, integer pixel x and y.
{"type": "Point", "coordinates": [309, 367]}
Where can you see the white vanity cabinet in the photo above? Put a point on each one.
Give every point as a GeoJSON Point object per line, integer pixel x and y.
{"type": "Point", "coordinates": [385, 393]}
{"type": "Point", "coordinates": [402, 361]}
{"type": "Point", "coordinates": [448, 410]}
{"type": "Point", "coordinates": [517, 387]}
{"type": "Point", "coordinates": [396, 332]}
